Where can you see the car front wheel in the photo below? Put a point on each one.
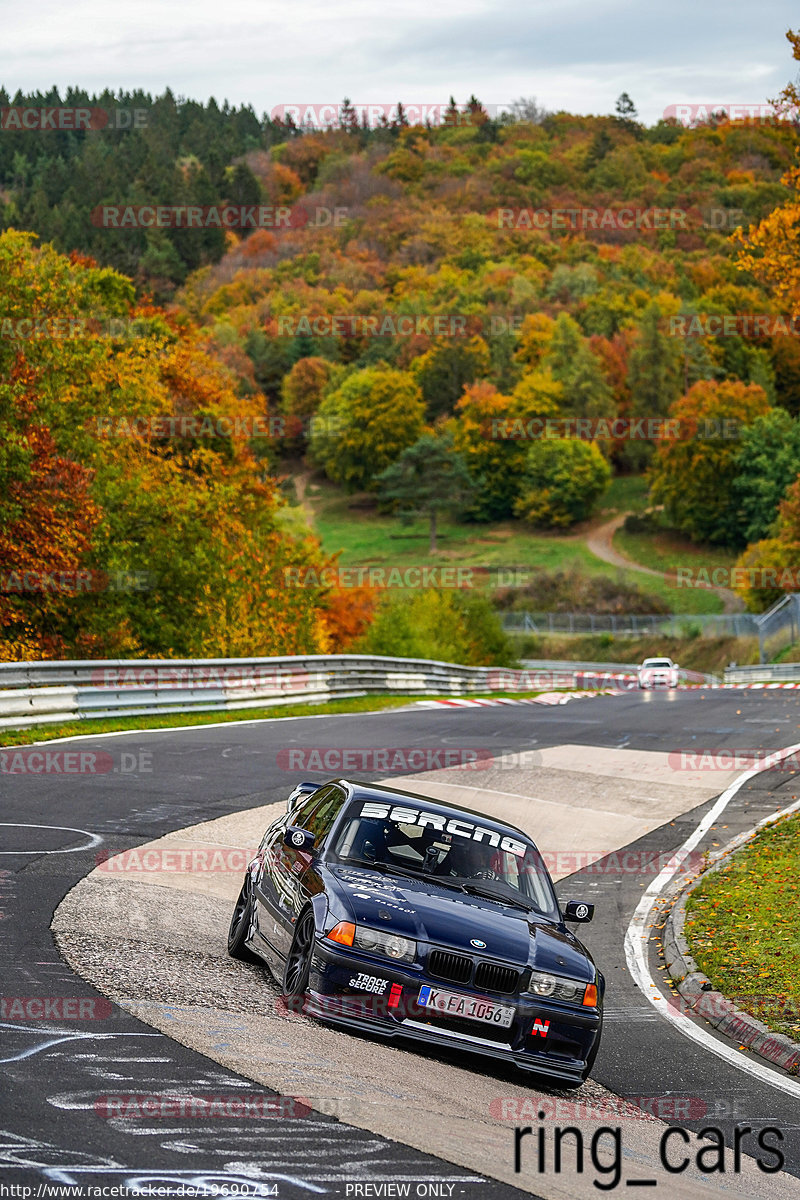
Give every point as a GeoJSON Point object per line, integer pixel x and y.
{"type": "Point", "coordinates": [240, 924]}
{"type": "Point", "coordinates": [298, 962]}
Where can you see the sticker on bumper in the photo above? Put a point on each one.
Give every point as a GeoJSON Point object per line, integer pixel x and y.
{"type": "Point", "coordinates": [369, 983]}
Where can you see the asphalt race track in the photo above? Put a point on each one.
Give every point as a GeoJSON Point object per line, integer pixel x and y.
{"type": "Point", "coordinates": [56, 1068]}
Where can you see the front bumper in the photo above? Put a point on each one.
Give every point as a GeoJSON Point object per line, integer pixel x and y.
{"type": "Point", "coordinates": [658, 681]}
{"type": "Point", "coordinates": [552, 1039]}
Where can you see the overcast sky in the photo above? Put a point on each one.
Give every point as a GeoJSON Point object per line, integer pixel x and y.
{"type": "Point", "coordinates": [569, 54]}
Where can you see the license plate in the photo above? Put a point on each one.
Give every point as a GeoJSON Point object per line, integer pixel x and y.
{"type": "Point", "coordinates": [474, 1008]}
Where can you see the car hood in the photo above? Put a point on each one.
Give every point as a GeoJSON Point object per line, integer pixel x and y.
{"type": "Point", "coordinates": [428, 912]}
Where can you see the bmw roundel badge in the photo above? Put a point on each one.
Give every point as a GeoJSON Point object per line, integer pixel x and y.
{"type": "Point", "coordinates": [478, 944]}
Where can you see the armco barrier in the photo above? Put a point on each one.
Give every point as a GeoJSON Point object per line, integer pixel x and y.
{"type": "Point", "coordinates": [767, 673]}
{"type": "Point", "coordinates": [38, 693]}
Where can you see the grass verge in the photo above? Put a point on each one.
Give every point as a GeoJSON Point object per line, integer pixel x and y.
{"type": "Point", "coordinates": [666, 550]}
{"type": "Point", "coordinates": [41, 733]}
{"type": "Point", "coordinates": [742, 922]}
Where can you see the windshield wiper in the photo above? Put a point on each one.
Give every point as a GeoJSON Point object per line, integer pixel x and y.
{"type": "Point", "coordinates": [396, 869]}
{"type": "Point", "coordinates": [490, 893]}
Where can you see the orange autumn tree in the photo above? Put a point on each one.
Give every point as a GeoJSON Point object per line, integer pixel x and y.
{"type": "Point", "coordinates": [772, 565]}
{"type": "Point", "coordinates": [148, 451]}
{"type": "Point", "coordinates": [694, 467]}
{"type": "Point", "coordinates": [47, 518]}
{"type": "Point", "coordinates": [770, 250]}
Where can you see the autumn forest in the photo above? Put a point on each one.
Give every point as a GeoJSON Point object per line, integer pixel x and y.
{"type": "Point", "coordinates": [492, 318]}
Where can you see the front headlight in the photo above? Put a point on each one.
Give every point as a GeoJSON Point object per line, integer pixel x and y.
{"type": "Point", "coordinates": [401, 949]}
{"type": "Point", "coordinates": [560, 989]}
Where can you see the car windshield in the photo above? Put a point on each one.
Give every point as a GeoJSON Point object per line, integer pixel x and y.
{"type": "Point", "coordinates": [657, 662]}
{"type": "Point", "coordinates": [448, 847]}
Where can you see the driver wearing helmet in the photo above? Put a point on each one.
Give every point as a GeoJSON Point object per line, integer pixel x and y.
{"type": "Point", "coordinates": [469, 860]}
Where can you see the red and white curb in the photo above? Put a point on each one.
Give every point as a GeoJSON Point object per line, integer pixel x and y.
{"type": "Point", "coordinates": [760, 685]}
{"type": "Point", "coordinates": [551, 698]}
{"type": "Point", "coordinates": [493, 701]}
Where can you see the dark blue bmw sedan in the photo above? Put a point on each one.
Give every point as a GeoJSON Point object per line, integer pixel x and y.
{"type": "Point", "coordinates": [406, 917]}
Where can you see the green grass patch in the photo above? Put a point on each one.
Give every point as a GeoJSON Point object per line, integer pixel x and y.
{"type": "Point", "coordinates": [90, 727]}
{"type": "Point", "coordinates": [625, 493]}
{"type": "Point", "coordinates": [666, 550]}
{"type": "Point", "coordinates": [351, 527]}
{"type": "Point", "coordinates": [742, 922]}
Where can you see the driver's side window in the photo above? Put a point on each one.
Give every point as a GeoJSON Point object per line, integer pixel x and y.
{"type": "Point", "coordinates": [325, 814]}
{"type": "Point", "coordinates": [303, 813]}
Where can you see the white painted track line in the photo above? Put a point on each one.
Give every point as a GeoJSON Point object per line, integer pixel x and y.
{"type": "Point", "coordinates": [638, 936]}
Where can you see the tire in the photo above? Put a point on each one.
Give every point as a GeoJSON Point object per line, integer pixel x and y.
{"type": "Point", "coordinates": [240, 924]}
{"type": "Point", "coordinates": [298, 961]}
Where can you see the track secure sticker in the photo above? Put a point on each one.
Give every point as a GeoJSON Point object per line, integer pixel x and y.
{"type": "Point", "coordinates": [369, 983]}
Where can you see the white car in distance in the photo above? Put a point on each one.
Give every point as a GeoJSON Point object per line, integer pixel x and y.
{"type": "Point", "coordinates": [658, 673]}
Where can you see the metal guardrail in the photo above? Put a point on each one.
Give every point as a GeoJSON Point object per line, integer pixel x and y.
{"type": "Point", "coordinates": [568, 664]}
{"type": "Point", "coordinates": [764, 673]}
{"type": "Point", "coordinates": [778, 627]}
{"type": "Point", "coordinates": [38, 693]}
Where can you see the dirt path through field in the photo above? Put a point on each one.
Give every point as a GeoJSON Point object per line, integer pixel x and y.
{"type": "Point", "coordinates": [601, 543]}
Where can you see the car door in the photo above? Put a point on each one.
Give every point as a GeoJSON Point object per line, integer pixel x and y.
{"type": "Point", "coordinates": [279, 893]}
{"type": "Point", "coordinates": [264, 886]}
{"type": "Point", "coordinates": [319, 823]}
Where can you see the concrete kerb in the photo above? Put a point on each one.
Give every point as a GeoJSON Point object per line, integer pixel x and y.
{"type": "Point", "coordinates": [697, 989]}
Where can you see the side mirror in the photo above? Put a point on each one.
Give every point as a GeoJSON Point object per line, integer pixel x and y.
{"type": "Point", "coordinates": [576, 910]}
{"type": "Point", "coordinates": [299, 839]}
